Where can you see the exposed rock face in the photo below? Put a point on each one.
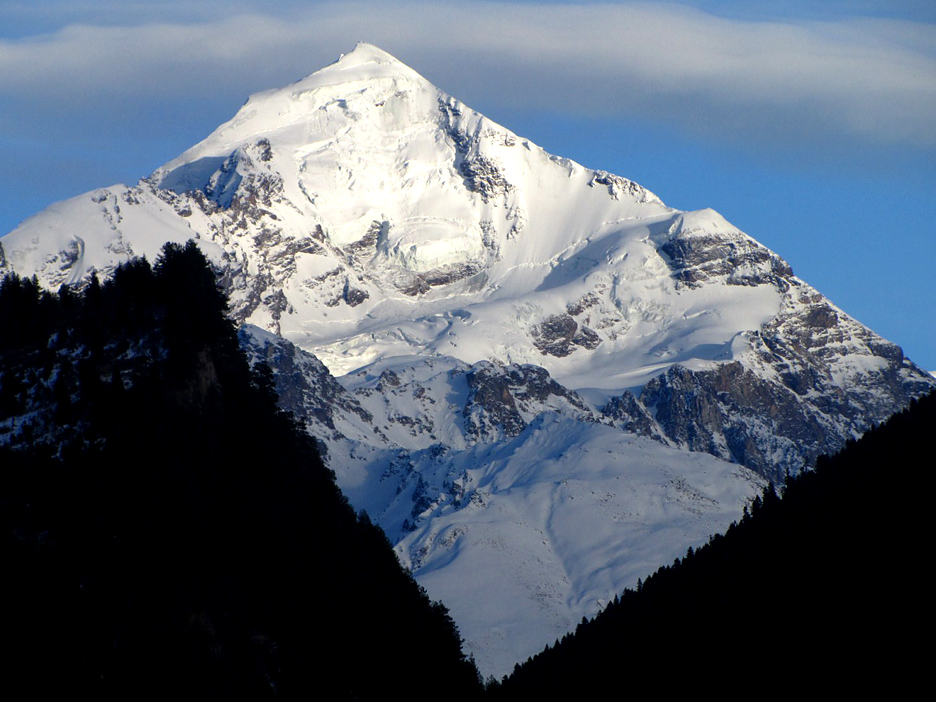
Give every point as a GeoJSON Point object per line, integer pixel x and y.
{"type": "Point", "coordinates": [445, 275]}
{"type": "Point", "coordinates": [619, 187]}
{"type": "Point", "coordinates": [835, 363]}
{"type": "Point", "coordinates": [555, 335]}
{"type": "Point", "coordinates": [731, 413]}
{"type": "Point", "coordinates": [560, 334]}
{"type": "Point", "coordinates": [697, 255]}
{"type": "Point", "coordinates": [305, 386]}
{"type": "Point", "coordinates": [502, 400]}
{"type": "Point", "coordinates": [631, 416]}
{"type": "Point", "coordinates": [780, 423]}
{"type": "Point", "coordinates": [701, 258]}
{"type": "Point", "coordinates": [484, 176]}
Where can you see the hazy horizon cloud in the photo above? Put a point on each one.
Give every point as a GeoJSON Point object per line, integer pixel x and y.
{"type": "Point", "coordinates": [775, 85]}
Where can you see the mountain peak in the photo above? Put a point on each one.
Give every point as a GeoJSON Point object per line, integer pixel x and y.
{"type": "Point", "coordinates": [364, 62]}
{"type": "Point", "coordinates": [363, 53]}
{"type": "Point", "coordinates": [298, 113]}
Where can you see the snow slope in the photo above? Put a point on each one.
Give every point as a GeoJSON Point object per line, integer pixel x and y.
{"type": "Point", "coordinates": [509, 498]}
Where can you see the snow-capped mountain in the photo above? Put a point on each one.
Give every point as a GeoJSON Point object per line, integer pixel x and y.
{"type": "Point", "coordinates": [539, 379]}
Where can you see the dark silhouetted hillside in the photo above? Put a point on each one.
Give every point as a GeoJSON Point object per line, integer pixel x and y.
{"type": "Point", "coordinates": [166, 529]}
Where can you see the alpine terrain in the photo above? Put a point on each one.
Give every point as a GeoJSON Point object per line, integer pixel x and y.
{"type": "Point", "coordinates": [541, 381]}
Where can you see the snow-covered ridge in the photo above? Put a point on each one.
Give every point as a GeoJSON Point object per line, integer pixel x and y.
{"type": "Point", "coordinates": [358, 187]}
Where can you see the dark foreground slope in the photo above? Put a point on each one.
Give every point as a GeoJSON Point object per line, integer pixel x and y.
{"type": "Point", "coordinates": [165, 528]}
{"type": "Point", "coordinates": [823, 590]}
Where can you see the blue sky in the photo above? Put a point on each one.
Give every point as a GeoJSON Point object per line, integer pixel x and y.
{"type": "Point", "coordinates": [811, 126]}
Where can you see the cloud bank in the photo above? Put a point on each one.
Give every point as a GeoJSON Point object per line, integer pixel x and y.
{"type": "Point", "coordinates": [773, 85]}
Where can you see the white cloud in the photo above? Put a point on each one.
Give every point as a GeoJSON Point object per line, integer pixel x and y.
{"type": "Point", "coordinates": [782, 83]}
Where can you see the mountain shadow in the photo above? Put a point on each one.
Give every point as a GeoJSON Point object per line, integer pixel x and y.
{"type": "Point", "coordinates": [167, 530]}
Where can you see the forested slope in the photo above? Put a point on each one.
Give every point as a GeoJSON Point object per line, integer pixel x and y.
{"type": "Point", "coordinates": [167, 529]}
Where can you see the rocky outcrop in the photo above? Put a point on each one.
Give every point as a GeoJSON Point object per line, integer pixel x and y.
{"type": "Point", "coordinates": [304, 385]}
{"type": "Point", "coordinates": [420, 283]}
{"type": "Point", "coordinates": [485, 176]}
{"type": "Point", "coordinates": [622, 187]}
{"type": "Point", "coordinates": [627, 413]}
{"type": "Point", "coordinates": [733, 414]}
{"type": "Point", "coordinates": [560, 335]}
{"type": "Point", "coordinates": [778, 424]}
{"type": "Point", "coordinates": [700, 258]}
{"type": "Point", "coordinates": [503, 400]}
